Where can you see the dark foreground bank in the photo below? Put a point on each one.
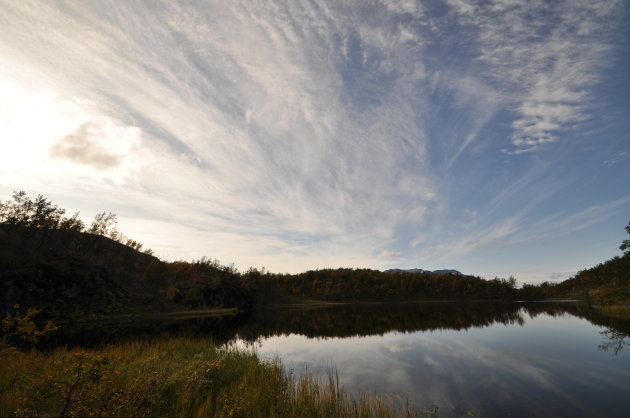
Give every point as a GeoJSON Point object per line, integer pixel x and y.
{"type": "Point", "coordinates": [172, 377]}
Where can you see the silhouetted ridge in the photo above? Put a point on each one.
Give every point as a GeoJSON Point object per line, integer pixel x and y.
{"type": "Point", "coordinates": [56, 263]}
{"type": "Point", "coordinates": [65, 271]}
{"type": "Point", "coordinates": [421, 271]}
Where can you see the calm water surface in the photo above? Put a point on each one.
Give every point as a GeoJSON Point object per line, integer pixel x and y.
{"type": "Point", "coordinates": [491, 359]}
{"type": "Point", "coordinates": [516, 360]}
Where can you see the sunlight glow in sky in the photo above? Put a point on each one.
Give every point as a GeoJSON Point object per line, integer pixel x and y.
{"type": "Point", "coordinates": [491, 137]}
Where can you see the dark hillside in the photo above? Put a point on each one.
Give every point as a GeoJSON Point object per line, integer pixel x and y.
{"type": "Point", "coordinates": [66, 271]}
{"type": "Point", "coordinates": [52, 262]}
{"type": "Point", "coordinates": [607, 283]}
{"type": "Point", "coordinates": [354, 285]}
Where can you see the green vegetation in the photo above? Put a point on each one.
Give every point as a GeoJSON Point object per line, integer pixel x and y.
{"type": "Point", "coordinates": [18, 331]}
{"type": "Point", "coordinates": [351, 285]}
{"type": "Point", "coordinates": [55, 263]}
{"type": "Point", "coordinates": [171, 377]}
{"type": "Point", "coordinates": [605, 286]}
{"type": "Point", "coordinates": [322, 321]}
{"type": "Point", "coordinates": [41, 213]}
{"type": "Point", "coordinates": [625, 245]}
{"type": "Point", "coordinates": [53, 266]}
{"type": "Point", "coordinates": [363, 319]}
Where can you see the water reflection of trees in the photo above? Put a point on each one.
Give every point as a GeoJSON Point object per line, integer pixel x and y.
{"type": "Point", "coordinates": [96, 333]}
{"type": "Point", "coordinates": [377, 319]}
{"type": "Point", "coordinates": [615, 340]}
{"type": "Point", "coordinates": [351, 320]}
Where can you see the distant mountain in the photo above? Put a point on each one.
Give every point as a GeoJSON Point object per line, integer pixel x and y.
{"type": "Point", "coordinates": [447, 271]}
{"type": "Point", "coordinates": [421, 271]}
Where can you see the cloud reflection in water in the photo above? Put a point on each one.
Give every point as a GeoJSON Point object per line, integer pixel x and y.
{"type": "Point", "coordinates": [548, 366]}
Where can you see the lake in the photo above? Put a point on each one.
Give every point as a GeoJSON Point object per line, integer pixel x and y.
{"type": "Point", "coordinates": [492, 360]}
{"type": "Point", "coordinates": [488, 359]}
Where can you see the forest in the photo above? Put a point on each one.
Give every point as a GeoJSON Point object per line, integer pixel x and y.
{"type": "Point", "coordinates": [55, 262]}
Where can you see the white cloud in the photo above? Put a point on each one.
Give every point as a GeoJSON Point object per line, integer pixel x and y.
{"type": "Point", "coordinates": [560, 276]}
{"type": "Point", "coordinates": [300, 129]}
{"type": "Point", "coordinates": [621, 155]}
{"type": "Point", "coordinates": [545, 64]}
{"type": "Point", "coordinates": [241, 113]}
{"type": "Point", "coordinates": [390, 254]}
{"type": "Point", "coordinates": [564, 224]}
{"type": "Point", "coordinates": [96, 145]}
{"type": "Point", "coordinates": [404, 6]}
{"type": "Point", "coordinates": [398, 347]}
{"type": "Point", "coordinates": [457, 242]}
{"type": "Point", "coordinates": [42, 131]}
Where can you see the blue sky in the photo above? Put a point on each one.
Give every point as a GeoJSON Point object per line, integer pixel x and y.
{"type": "Point", "coordinates": [490, 137]}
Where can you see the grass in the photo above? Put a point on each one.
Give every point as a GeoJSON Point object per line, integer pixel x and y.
{"type": "Point", "coordinates": [172, 377]}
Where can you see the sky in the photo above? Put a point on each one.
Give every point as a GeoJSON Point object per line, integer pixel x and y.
{"type": "Point", "coordinates": [491, 137]}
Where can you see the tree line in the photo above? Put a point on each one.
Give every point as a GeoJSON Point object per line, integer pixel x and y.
{"type": "Point", "coordinates": [41, 213]}
{"type": "Point", "coordinates": [206, 282]}
{"type": "Point", "coordinates": [349, 284]}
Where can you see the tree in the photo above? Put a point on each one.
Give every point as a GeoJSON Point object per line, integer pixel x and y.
{"type": "Point", "coordinates": [18, 211]}
{"type": "Point", "coordinates": [625, 245]}
{"type": "Point", "coordinates": [18, 330]}
{"type": "Point", "coordinates": [45, 214]}
{"type": "Point", "coordinates": [103, 224]}
{"type": "Point", "coordinates": [72, 224]}
{"type": "Point", "coordinates": [40, 213]}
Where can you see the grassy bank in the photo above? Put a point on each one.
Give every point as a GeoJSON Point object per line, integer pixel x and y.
{"type": "Point", "coordinates": [170, 377]}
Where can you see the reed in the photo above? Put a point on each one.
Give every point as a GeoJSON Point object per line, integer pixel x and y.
{"type": "Point", "coordinates": [173, 377]}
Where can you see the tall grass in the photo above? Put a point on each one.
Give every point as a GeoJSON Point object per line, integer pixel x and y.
{"type": "Point", "coordinates": [172, 377]}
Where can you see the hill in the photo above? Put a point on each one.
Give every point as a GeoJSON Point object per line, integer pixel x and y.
{"type": "Point", "coordinates": [606, 285]}
{"type": "Point", "coordinates": [53, 262]}
{"type": "Point", "coordinates": [421, 271]}
{"type": "Point", "coordinates": [67, 271]}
